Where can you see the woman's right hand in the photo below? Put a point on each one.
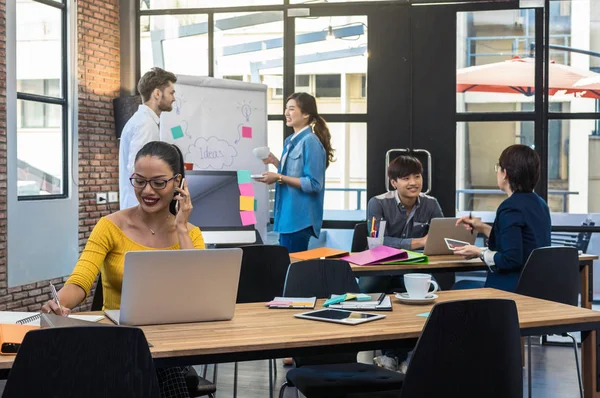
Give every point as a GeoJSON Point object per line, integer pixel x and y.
{"type": "Point", "coordinates": [52, 308]}
{"type": "Point", "coordinates": [271, 159]}
{"type": "Point", "coordinates": [471, 224]}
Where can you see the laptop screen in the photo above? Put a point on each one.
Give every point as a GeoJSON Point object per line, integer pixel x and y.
{"type": "Point", "coordinates": [216, 199]}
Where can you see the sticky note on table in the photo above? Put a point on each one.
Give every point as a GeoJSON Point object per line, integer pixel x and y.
{"type": "Point", "coordinates": [246, 132]}
{"type": "Point", "coordinates": [246, 189]}
{"type": "Point", "coordinates": [244, 176]}
{"type": "Point", "coordinates": [248, 218]}
{"type": "Point", "coordinates": [424, 314]}
{"type": "Point", "coordinates": [177, 132]}
{"type": "Point", "coordinates": [247, 203]}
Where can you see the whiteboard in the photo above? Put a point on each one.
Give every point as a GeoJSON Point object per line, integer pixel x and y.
{"type": "Point", "coordinates": [217, 123]}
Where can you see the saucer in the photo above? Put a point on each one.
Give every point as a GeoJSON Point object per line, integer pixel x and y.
{"type": "Point", "coordinates": [404, 298]}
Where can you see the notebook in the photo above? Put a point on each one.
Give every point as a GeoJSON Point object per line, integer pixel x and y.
{"type": "Point", "coordinates": [376, 255]}
{"type": "Point", "coordinates": [413, 258]}
{"type": "Point", "coordinates": [377, 302]}
{"type": "Point", "coordinates": [33, 318]}
{"type": "Point", "coordinates": [321, 252]}
{"type": "Point", "coordinates": [292, 302]}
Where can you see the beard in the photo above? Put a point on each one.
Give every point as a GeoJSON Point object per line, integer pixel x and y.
{"type": "Point", "coordinates": [165, 106]}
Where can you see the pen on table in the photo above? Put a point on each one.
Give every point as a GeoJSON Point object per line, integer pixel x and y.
{"type": "Point", "coordinates": [55, 296]}
{"type": "Point", "coordinates": [470, 218]}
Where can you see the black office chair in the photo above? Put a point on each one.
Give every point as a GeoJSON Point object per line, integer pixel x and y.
{"type": "Point", "coordinates": [197, 386]}
{"type": "Point", "coordinates": [337, 375]}
{"type": "Point", "coordinates": [552, 273]}
{"type": "Point", "coordinates": [579, 240]}
{"type": "Point", "coordinates": [359, 237]}
{"type": "Point", "coordinates": [449, 352]}
{"type": "Point", "coordinates": [449, 360]}
{"type": "Point", "coordinates": [83, 362]}
{"type": "Point", "coordinates": [264, 268]}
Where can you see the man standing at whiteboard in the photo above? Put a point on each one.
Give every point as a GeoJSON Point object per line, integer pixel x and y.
{"type": "Point", "coordinates": [158, 94]}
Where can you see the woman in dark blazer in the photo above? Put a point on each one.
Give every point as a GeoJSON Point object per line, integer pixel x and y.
{"type": "Point", "coordinates": [522, 221]}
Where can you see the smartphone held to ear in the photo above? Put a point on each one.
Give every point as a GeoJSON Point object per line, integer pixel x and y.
{"type": "Point", "coordinates": [175, 209]}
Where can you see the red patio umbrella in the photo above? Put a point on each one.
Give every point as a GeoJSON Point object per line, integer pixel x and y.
{"type": "Point", "coordinates": [518, 76]}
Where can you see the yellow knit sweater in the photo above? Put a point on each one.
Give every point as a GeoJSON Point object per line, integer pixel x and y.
{"type": "Point", "coordinates": [105, 251]}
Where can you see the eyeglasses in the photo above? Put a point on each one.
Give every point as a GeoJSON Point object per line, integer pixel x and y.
{"type": "Point", "coordinates": [158, 184]}
{"type": "Point", "coordinates": [496, 167]}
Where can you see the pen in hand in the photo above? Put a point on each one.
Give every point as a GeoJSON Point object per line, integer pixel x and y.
{"type": "Point", "coordinates": [55, 296]}
{"type": "Point", "coordinates": [470, 218]}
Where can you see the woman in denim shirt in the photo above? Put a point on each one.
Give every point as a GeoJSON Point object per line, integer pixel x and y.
{"type": "Point", "coordinates": [300, 174]}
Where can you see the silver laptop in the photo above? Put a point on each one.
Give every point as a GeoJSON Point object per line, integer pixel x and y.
{"type": "Point", "coordinates": [441, 228]}
{"type": "Point", "coordinates": [177, 286]}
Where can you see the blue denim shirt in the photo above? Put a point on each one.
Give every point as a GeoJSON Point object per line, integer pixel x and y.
{"type": "Point", "coordinates": [297, 209]}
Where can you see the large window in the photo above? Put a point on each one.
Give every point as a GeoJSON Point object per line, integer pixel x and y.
{"type": "Point", "coordinates": [41, 99]}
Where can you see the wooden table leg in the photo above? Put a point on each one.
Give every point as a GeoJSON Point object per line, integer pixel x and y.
{"type": "Point", "coordinates": [588, 344]}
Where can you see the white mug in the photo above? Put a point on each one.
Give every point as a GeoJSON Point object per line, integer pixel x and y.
{"type": "Point", "coordinates": [261, 152]}
{"type": "Point", "coordinates": [417, 285]}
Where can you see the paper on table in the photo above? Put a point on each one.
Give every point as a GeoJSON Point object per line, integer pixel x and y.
{"type": "Point", "coordinates": [248, 218]}
{"type": "Point", "coordinates": [292, 302]}
{"type": "Point", "coordinates": [246, 189]}
{"type": "Point", "coordinates": [424, 314]}
{"type": "Point", "coordinates": [247, 203]}
{"type": "Point", "coordinates": [12, 317]}
{"type": "Point", "coordinates": [244, 176]}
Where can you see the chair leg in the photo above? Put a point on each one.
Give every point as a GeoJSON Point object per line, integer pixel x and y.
{"type": "Point", "coordinates": [282, 389]}
{"type": "Point", "coordinates": [274, 369]}
{"type": "Point", "coordinates": [577, 364]}
{"type": "Point", "coordinates": [529, 387]}
{"type": "Point", "coordinates": [235, 370]}
{"type": "Point", "coordinates": [270, 379]}
{"type": "Point", "coordinates": [215, 378]}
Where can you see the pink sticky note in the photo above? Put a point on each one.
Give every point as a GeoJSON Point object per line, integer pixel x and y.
{"type": "Point", "coordinates": [246, 189]}
{"type": "Point", "coordinates": [246, 132]}
{"type": "Point", "coordinates": [248, 218]}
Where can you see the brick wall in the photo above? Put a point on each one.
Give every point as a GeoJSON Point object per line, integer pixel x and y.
{"type": "Point", "coordinates": [98, 73]}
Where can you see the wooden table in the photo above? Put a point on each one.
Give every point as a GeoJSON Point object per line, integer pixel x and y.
{"type": "Point", "coordinates": [450, 263]}
{"type": "Point", "coordinates": [257, 332]}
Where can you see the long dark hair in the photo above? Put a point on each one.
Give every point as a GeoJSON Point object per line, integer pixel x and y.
{"type": "Point", "coordinates": [170, 154]}
{"type": "Point", "coordinates": [308, 105]}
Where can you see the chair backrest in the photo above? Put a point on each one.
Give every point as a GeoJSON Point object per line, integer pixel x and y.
{"type": "Point", "coordinates": [263, 272]}
{"type": "Point", "coordinates": [98, 300]}
{"type": "Point", "coordinates": [551, 273]}
{"type": "Point", "coordinates": [83, 362]}
{"type": "Point", "coordinates": [320, 278]}
{"type": "Point", "coordinates": [468, 348]}
{"type": "Point", "coordinates": [579, 240]}
{"type": "Point", "coordinates": [359, 238]}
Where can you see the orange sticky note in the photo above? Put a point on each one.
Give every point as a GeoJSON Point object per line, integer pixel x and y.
{"type": "Point", "coordinates": [247, 203]}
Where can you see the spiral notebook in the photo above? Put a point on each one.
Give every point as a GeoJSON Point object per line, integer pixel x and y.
{"type": "Point", "coordinates": [33, 318]}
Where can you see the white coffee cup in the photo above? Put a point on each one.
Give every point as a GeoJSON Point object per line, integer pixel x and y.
{"type": "Point", "coordinates": [417, 285]}
{"type": "Point", "coordinates": [261, 152]}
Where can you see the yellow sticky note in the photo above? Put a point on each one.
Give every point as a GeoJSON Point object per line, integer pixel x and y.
{"type": "Point", "coordinates": [350, 296]}
{"type": "Point", "coordinates": [247, 203]}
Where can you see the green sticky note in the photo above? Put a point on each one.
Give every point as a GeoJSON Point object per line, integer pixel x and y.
{"type": "Point", "coordinates": [177, 132]}
{"type": "Point", "coordinates": [424, 314]}
{"type": "Point", "coordinates": [244, 176]}
{"type": "Point", "coordinates": [255, 204]}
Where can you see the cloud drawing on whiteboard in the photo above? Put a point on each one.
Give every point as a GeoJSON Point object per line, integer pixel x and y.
{"type": "Point", "coordinates": [211, 153]}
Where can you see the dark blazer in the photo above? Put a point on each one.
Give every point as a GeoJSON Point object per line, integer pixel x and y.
{"type": "Point", "coordinates": [522, 224]}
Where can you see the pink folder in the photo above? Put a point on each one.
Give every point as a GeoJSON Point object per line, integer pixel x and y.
{"type": "Point", "coordinates": [376, 256]}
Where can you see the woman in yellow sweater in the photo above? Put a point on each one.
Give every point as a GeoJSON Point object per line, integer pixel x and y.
{"type": "Point", "coordinates": [152, 225]}
{"type": "Point", "coordinates": [160, 221]}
